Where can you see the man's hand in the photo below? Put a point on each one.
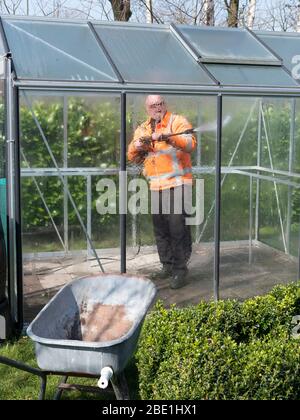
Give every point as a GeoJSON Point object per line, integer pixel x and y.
{"type": "Point", "coordinates": [156, 136]}
{"type": "Point", "coordinates": [141, 145]}
{"type": "Point", "coordinates": [144, 143]}
{"type": "Point", "coordinates": [160, 136]}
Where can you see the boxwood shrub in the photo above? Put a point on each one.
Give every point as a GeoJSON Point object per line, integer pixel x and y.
{"type": "Point", "coordinates": [224, 350]}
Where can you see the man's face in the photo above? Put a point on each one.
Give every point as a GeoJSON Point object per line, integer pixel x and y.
{"type": "Point", "coordinates": [156, 107]}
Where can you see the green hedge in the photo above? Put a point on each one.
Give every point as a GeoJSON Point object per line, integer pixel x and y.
{"type": "Point", "coordinates": [224, 350]}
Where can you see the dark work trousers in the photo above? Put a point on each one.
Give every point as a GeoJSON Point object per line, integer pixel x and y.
{"type": "Point", "coordinates": [172, 234]}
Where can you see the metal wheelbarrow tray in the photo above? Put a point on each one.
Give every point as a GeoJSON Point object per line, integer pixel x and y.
{"type": "Point", "coordinates": [68, 340]}
{"type": "Point", "coordinates": [60, 321]}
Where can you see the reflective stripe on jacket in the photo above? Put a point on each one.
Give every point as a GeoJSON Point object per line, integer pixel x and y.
{"type": "Point", "coordinates": [167, 164]}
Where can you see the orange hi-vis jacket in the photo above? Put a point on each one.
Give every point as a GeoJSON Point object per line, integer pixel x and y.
{"type": "Point", "coordinates": [167, 164]}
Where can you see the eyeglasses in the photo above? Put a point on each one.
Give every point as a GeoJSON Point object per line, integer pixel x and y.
{"type": "Point", "coordinates": [158, 104]}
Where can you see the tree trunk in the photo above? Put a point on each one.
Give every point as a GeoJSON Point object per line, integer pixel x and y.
{"type": "Point", "coordinates": [208, 12]}
{"type": "Point", "coordinates": [251, 13]}
{"type": "Point", "coordinates": [121, 9]}
{"type": "Point", "coordinates": [149, 11]}
{"type": "Point", "coordinates": [233, 13]}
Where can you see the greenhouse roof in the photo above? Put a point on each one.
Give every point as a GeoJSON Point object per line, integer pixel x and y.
{"type": "Point", "coordinates": [284, 44]}
{"type": "Point", "coordinates": [114, 54]}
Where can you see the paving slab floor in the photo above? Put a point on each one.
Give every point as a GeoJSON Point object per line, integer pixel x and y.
{"type": "Point", "coordinates": [239, 279]}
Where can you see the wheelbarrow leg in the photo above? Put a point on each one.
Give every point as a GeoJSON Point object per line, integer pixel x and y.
{"type": "Point", "coordinates": [43, 387]}
{"type": "Point", "coordinates": [120, 386]}
{"type": "Point", "coordinates": [59, 391]}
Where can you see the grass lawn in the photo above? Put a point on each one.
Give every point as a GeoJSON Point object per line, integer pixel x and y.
{"type": "Point", "coordinates": [18, 385]}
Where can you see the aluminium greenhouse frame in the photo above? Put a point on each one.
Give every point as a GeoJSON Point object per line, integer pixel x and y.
{"type": "Point", "coordinates": [16, 86]}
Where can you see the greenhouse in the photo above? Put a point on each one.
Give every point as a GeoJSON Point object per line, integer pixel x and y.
{"type": "Point", "coordinates": [73, 92]}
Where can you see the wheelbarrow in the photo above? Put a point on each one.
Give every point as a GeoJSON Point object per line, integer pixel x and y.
{"type": "Point", "coordinates": [90, 328]}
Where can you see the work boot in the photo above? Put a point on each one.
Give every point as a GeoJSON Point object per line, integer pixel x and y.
{"type": "Point", "coordinates": [178, 280]}
{"type": "Point", "coordinates": [162, 274]}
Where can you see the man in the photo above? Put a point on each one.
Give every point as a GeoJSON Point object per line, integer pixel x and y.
{"type": "Point", "coordinates": [167, 165]}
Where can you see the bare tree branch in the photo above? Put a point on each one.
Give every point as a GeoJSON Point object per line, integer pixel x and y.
{"type": "Point", "coordinates": [106, 13]}
{"type": "Point", "coordinates": [156, 18]}
{"type": "Point", "coordinates": [6, 7]}
{"type": "Point", "coordinates": [13, 8]}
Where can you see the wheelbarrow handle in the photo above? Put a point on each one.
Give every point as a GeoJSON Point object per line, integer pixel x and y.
{"type": "Point", "coordinates": [35, 371]}
{"type": "Point", "coordinates": [22, 366]}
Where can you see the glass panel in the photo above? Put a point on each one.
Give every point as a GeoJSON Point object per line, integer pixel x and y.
{"type": "Point", "coordinates": [2, 64]}
{"type": "Point", "coordinates": [2, 48]}
{"type": "Point", "coordinates": [150, 55]}
{"type": "Point", "coordinates": [293, 228]}
{"type": "Point", "coordinates": [102, 226]}
{"type": "Point", "coordinates": [93, 132]}
{"type": "Point", "coordinates": [219, 44]}
{"type": "Point", "coordinates": [276, 133]}
{"type": "Point", "coordinates": [279, 221]}
{"type": "Point", "coordinates": [142, 252]}
{"type": "Point", "coordinates": [39, 233]}
{"type": "Point", "coordinates": [105, 225]}
{"type": "Point", "coordinates": [235, 196]}
{"type": "Point", "coordinates": [56, 51]}
{"type": "Point", "coordinates": [259, 209]}
{"type": "Point", "coordinates": [296, 149]}
{"type": "Point", "coordinates": [272, 230]}
{"type": "Point", "coordinates": [239, 152]}
{"type": "Point", "coordinates": [81, 132]}
{"type": "Point", "coordinates": [285, 46]}
{"type": "Point", "coordinates": [239, 135]}
{"type": "Point", "coordinates": [41, 115]}
{"type": "Point", "coordinates": [233, 75]}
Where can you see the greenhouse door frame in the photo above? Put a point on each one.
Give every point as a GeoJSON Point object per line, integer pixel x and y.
{"type": "Point", "coordinates": [14, 244]}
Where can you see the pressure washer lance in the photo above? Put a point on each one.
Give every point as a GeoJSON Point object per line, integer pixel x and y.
{"type": "Point", "coordinates": [148, 139]}
{"type": "Point", "coordinates": [201, 129]}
